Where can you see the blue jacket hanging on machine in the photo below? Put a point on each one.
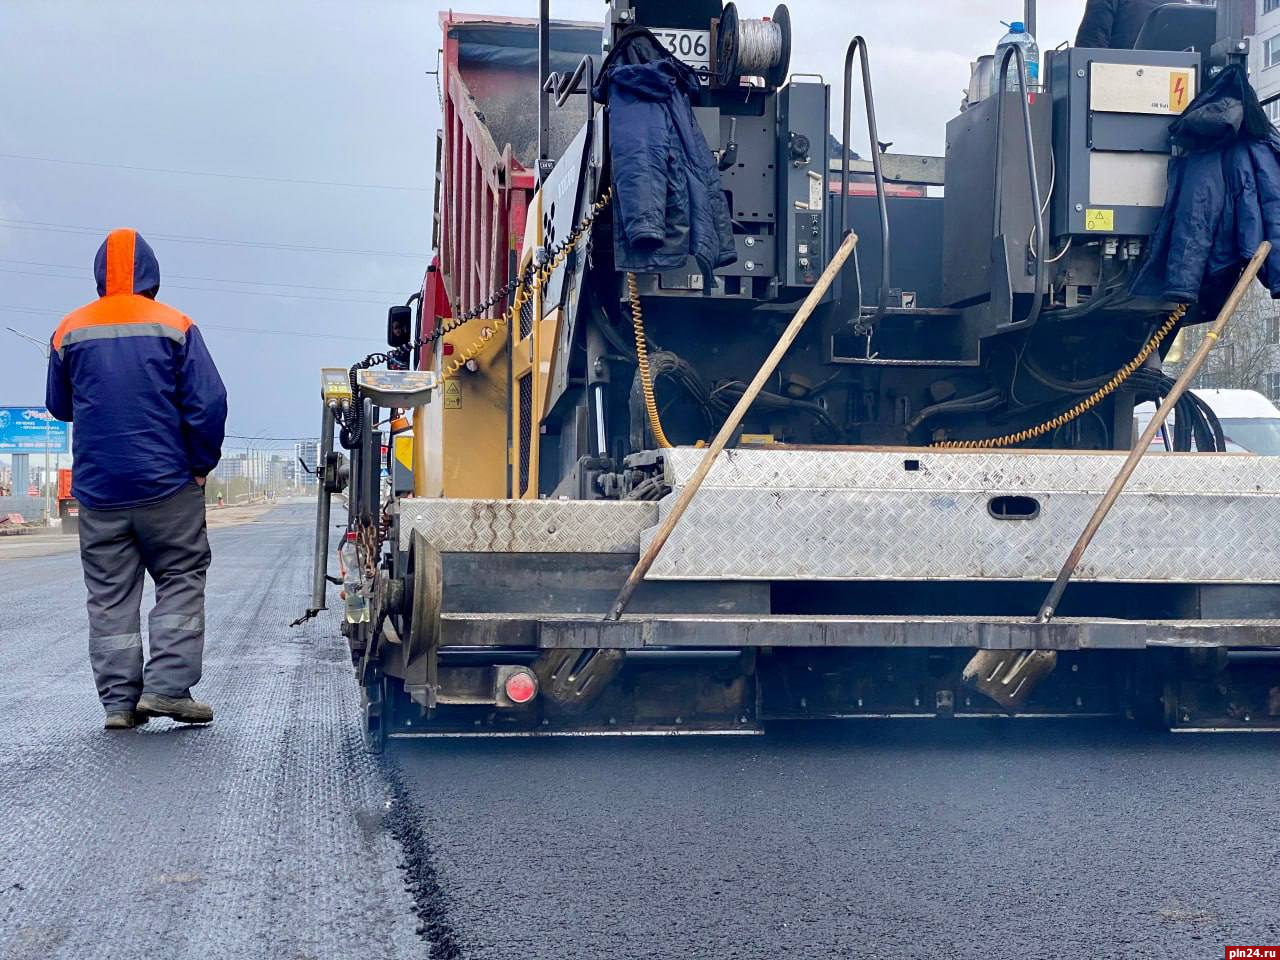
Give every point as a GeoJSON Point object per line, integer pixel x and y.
{"type": "Point", "coordinates": [1223, 198]}
{"type": "Point", "coordinates": [669, 203]}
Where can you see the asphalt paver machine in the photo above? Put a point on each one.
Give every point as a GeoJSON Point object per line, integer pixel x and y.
{"type": "Point", "coordinates": [905, 483]}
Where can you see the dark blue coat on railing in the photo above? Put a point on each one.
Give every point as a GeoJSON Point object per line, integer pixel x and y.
{"type": "Point", "coordinates": [669, 204]}
{"type": "Point", "coordinates": [1223, 198]}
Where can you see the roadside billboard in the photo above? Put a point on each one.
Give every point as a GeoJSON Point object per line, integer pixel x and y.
{"type": "Point", "coordinates": [29, 429]}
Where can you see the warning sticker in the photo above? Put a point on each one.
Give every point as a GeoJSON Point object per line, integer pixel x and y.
{"type": "Point", "coordinates": [1100, 221]}
{"type": "Point", "coordinates": [1179, 90]}
{"type": "Point", "coordinates": [404, 451]}
{"type": "Point", "coordinates": [817, 187]}
{"type": "Point", "coordinates": [452, 395]}
{"type": "Point", "coordinates": [1141, 89]}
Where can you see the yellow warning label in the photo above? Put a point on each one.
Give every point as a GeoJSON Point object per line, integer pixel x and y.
{"type": "Point", "coordinates": [1179, 90]}
{"type": "Point", "coordinates": [1100, 221]}
{"type": "Point", "coordinates": [452, 395]}
{"type": "Point", "coordinates": [404, 451]}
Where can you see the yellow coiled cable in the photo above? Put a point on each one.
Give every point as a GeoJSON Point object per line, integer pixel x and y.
{"type": "Point", "coordinates": [1084, 406]}
{"type": "Point", "coordinates": [642, 363]}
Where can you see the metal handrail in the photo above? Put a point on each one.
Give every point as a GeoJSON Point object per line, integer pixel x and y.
{"type": "Point", "coordinates": [1024, 93]}
{"type": "Point", "coordinates": [544, 74]}
{"type": "Point", "coordinates": [859, 45]}
{"type": "Point", "coordinates": [566, 88]}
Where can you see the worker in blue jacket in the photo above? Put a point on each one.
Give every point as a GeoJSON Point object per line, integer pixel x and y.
{"type": "Point", "coordinates": [149, 410]}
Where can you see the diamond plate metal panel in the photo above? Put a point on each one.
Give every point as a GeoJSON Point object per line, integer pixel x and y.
{"type": "Point", "coordinates": [836, 515]}
{"type": "Point", "coordinates": [980, 471]}
{"type": "Point", "coordinates": [527, 526]}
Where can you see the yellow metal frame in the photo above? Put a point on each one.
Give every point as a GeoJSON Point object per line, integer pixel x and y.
{"type": "Point", "coordinates": [531, 359]}
{"type": "Point", "coordinates": [460, 438]}
{"type": "Point", "coordinates": [461, 447]}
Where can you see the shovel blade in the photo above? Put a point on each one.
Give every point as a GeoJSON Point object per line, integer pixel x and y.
{"type": "Point", "coordinates": [1009, 676]}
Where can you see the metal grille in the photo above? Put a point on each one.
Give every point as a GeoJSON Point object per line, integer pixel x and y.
{"type": "Point", "coordinates": [526, 430]}
{"type": "Point", "coordinates": [526, 318]}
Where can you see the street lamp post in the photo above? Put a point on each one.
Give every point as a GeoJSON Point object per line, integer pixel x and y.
{"type": "Point", "coordinates": [248, 469]}
{"type": "Point", "coordinates": [252, 464]}
{"type": "Point", "coordinates": [44, 348]}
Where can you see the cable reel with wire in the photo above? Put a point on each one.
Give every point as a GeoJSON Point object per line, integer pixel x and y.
{"type": "Point", "coordinates": [753, 48]}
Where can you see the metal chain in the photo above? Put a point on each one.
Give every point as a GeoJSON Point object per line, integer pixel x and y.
{"type": "Point", "coordinates": [531, 280]}
{"type": "Point", "coordinates": [531, 285]}
{"type": "Point", "coordinates": [526, 280]}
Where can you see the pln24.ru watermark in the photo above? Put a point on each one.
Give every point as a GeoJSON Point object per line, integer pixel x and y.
{"type": "Point", "coordinates": [1253, 953]}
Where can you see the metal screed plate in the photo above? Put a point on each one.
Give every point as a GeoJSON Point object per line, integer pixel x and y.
{"type": "Point", "coordinates": [906, 515]}
{"type": "Point", "coordinates": [920, 515]}
{"type": "Point", "coordinates": [527, 526]}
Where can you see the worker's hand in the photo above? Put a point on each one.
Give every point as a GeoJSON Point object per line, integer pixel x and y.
{"type": "Point", "coordinates": [200, 481]}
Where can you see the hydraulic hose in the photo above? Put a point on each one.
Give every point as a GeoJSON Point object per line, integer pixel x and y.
{"type": "Point", "coordinates": [1084, 406]}
{"type": "Point", "coordinates": [1196, 427]}
{"type": "Point", "coordinates": [642, 363]}
{"type": "Point", "coordinates": [978, 403]}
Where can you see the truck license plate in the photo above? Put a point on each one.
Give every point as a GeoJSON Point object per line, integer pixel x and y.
{"type": "Point", "coordinates": [689, 46]}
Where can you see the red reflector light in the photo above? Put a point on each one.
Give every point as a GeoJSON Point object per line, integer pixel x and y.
{"type": "Point", "coordinates": [521, 687]}
{"type": "Point", "coordinates": [447, 349]}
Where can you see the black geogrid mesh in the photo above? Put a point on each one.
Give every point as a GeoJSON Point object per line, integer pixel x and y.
{"type": "Point", "coordinates": [526, 430]}
{"type": "Point", "coordinates": [526, 317]}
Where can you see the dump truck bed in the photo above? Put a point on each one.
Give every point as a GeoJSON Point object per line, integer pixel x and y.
{"type": "Point", "coordinates": [489, 82]}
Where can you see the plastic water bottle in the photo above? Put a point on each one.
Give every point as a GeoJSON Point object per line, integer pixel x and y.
{"type": "Point", "coordinates": [357, 604]}
{"type": "Point", "coordinates": [1018, 36]}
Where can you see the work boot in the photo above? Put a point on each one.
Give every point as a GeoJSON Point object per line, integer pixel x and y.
{"type": "Point", "coordinates": [182, 709]}
{"type": "Point", "coordinates": [124, 720]}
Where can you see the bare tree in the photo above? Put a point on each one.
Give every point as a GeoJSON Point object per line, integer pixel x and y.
{"type": "Point", "coordinates": [1248, 357]}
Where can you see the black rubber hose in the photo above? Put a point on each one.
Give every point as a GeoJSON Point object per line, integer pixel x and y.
{"type": "Point", "coordinates": [978, 403]}
{"type": "Point", "coordinates": [1195, 424]}
{"type": "Point", "coordinates": [1211, 418]}
{"type": "Point", "coordinates": [1044, 378]}
{"type": "Point", "coordinates": [772, 401]}
{"type": "Point", "coordinates": [1150, 386]}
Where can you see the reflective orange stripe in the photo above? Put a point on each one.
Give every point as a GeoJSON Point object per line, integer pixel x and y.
{"type": "Point", "coordinates": [110, 311]}
{"type": "Point", "coordinates": [120, 245]}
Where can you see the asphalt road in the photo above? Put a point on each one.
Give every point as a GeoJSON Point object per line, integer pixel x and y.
{"type": "Point", "coordinates": [258, 837]}
{"type": "Point", "coordinates": [272, 835]}
{"type": "Point", "coordinates": [31, 545]}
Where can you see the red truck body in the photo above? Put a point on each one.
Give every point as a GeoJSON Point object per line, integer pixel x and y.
{"type": "Point", "coordinates": [487, 151]}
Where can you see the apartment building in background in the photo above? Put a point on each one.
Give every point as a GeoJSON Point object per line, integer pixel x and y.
{"type": "Point", "coordinates": [1264, 70]}
{"type": "Point", "coordinates": [1264, 58]}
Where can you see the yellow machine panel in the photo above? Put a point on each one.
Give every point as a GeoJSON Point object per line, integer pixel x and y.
{"type": "Point", "coordinates": [481, 440]}
{"type": "Point", "coordinates": [460, 441]}
{"type": "Point", "coordinates": [527, 370]}
{"type": "Point", "coordinates": [335, 385]}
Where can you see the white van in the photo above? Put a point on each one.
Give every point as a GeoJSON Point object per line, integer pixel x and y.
{"type": "Point", "coordinates": [1250, 422]}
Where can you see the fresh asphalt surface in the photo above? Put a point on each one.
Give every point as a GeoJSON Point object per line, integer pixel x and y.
{"type": "Point", "coordinates": [272, 835]}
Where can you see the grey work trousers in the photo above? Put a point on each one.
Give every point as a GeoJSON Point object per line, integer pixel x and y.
{"type": "Point", "coordinates": [168, 541]}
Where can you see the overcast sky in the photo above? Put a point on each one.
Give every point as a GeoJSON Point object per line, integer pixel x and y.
{"type": "Point", "coordinates": [313, 90]}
